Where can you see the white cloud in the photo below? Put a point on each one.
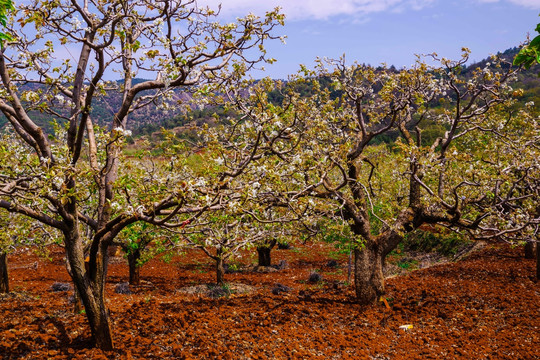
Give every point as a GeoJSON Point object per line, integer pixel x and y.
{"type": "Point", "coordinates": [533, 4]}
{"type": "Point", "coordinates": [313, 9]}
{"type": "Point", "coordinates": [324, 9]}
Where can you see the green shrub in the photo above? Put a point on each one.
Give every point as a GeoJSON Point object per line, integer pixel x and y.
{"type": "Point", "coordinates": [439, 240]}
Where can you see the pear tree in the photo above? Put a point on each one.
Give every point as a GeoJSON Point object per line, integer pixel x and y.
{"type": "Point", "coordinates": [59, 59]}
{"type": "Point", "coordinates": [352, 151]}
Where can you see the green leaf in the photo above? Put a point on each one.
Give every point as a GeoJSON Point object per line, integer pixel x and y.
{"type": "Point", "coordinates": [525, 57]}
{"type": "Point", "coordinates": [535, 43]}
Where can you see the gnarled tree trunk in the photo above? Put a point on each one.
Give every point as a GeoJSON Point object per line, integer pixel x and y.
{"type": "Point", "coordinates": [538, 261]}
{"type": "Point", "coordinates": [220, 266]}
{"type": "Point", "coordinates": [77, 302]}
{"type": "Point", "coordinates": [4, 276]}
{"type": "Point", "coordinates": [134, 269]}
{"type": "Point", "coordinates": [264, 256]}
{"type": "Point", "coordinates": [530, 250]}
{"type": "Point", "coordinates": [90, 286]}
{"type": "Point", "coordinates": [220, 271]}
{"type": "Point", "coordinates": [98, 317]}
{"type": "Point", "coordinates": [369, 261]}
{"type": "Point", "coordinates": [264, 252]}
{"type": "Point", "coordinates": [368, 274]}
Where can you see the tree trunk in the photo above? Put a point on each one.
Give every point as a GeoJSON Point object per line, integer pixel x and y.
{"type": "Point", "coordinates": [77, 302]}
{"type": "Point", "coordinates": [264, 256]}
{"type": "Point", "coordinates": [530, 250]}
{"type": "Point", "coordinates": [264, 250]}
{"type": "Point", "coordinates": [538, 261]}
{"type": "Point", "coordinates": [90, 285]}
{"type": "Point", "coordinates": [134, 269]}
{"type": "Point", "coordinates": [98, 317]}
{"type": "Point", "coordinates": [4, 276]}
{"type": "Point", "coordinates": [220, 269]}
{"type": "Point", "coordinates": [368, 274]}
{"type": "Point", "coordinates": [349, 268]}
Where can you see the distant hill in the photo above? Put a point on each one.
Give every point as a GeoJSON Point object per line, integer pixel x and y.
{"type": "Point", "coordinates": [528, 80]}
{"type": "Point", "coordinates": [104, 107]}
{"type": "Point", "coordinates": [151, 118]}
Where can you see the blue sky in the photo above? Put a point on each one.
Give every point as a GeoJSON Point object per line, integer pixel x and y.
{"type": "Point", "coordinates": [391, 31]}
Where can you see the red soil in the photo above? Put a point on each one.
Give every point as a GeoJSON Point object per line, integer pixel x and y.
{"type": "Point", "coordinates": [486, 307]}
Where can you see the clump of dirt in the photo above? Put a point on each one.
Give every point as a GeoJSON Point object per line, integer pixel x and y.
{"type": "Point", "coordinates": [315, 277]}
{"type": "Point", "coordinates": [260, 269]}
{"type": "Point", "coordinates": [332, 264]}
{"type": "Point", "coordinates": [217, 291]}
{"type": "Point", "coordinates": [60, 287]}
{"type": "Point", "coordinates": [16, 296]}
{"type": "Point", "coordinates": [123, 288]}
{"type": "Point", "coordinates": [282, 265]}
{"type": "Point", "coordinates": [279, 288]}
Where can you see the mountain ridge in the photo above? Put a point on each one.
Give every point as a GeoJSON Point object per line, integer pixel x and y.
{"type": "Point", "coordinates": [151, 118]}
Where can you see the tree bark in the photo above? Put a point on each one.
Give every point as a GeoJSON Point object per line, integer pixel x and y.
{"type": "Point", "coordinates": [4, 276]}
{"type": "Point", "coordinates": [530, 250]}
{"type": "Point", "coordinates": [134, 269]}
{"type": "Point", "coordinates": [77, 302]}
{"type": "Point", "coordinates": [369, 260]}
{"type": "Point", "coordinates": [98, 317]}
{"type": "Point", "coordinates": [220, 269]}
{"type": "Point", "coordinates": [264, 252]}
{"type": "Point", "coordinates": [349, 268]}
{"type": "Point", "coordinates": [368, 274]}
{"type": "Point", "coordinates": [264, 256]}
{"type": "Point", "coordinates": [90, 286]}
{"type": "Point", "coordinates": [538, 261]}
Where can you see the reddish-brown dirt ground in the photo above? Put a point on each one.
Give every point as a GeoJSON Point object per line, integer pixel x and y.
{"type": "Point", "coordinates": [485, 307]}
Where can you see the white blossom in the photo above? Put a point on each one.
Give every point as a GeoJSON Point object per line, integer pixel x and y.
{"type": "Point", "coordinates": [76, 24]}
{"type": "Point", "coordinates": [200, 182]}
{"type": "Point", "coordinates": [234, 205]}
{"type": "Point", "coordinates": [60, 98]}
{"type": "Point", "coordinates": [115, 206]}
{"type": "Point", "coordinates": [122, 131]}
{"type": "Point", "coordinates": [140, 209]}
{"type": "Point", "coordinates": [58, 182]}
